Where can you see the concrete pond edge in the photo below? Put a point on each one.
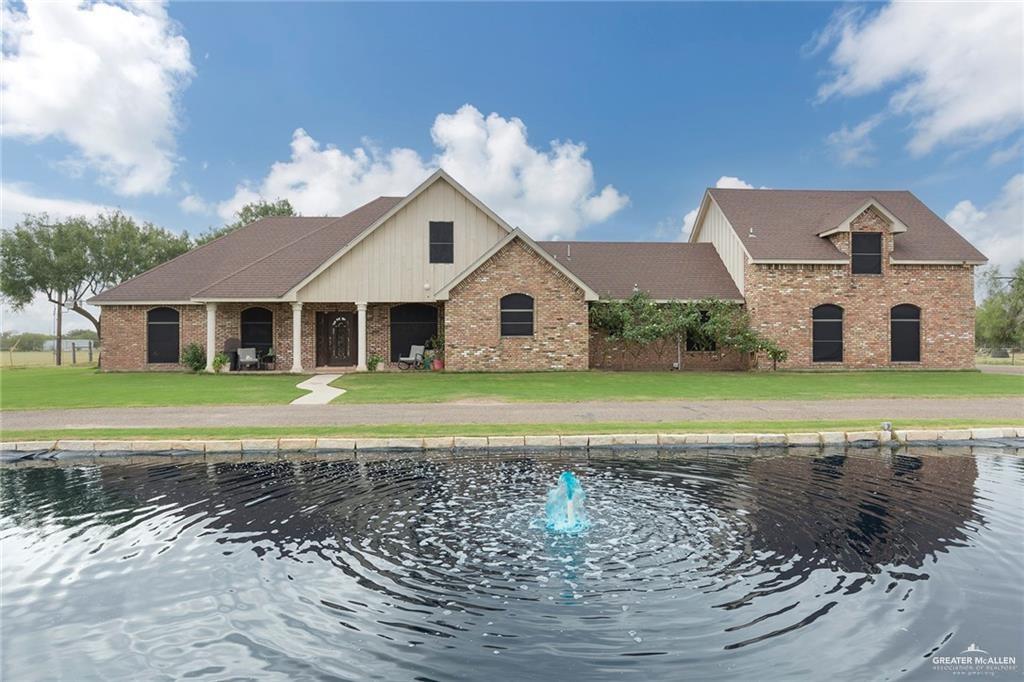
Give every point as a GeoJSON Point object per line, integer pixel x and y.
{"type": "Point", "coordinates": [991, 437]}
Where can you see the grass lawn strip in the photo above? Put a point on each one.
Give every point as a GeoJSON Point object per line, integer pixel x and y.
{"type": "Point", "coordinates": [69, 387]}
{"type": "Point", "coordinates": [425, 387]}
{"type": "Point", "coordinates": [427, 430]}
{"type": "Point", "coordinates": [73, 387]}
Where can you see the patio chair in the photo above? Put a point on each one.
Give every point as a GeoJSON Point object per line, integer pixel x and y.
{"type": "Point", "coordinates": [413, 359]}
{"type": "Point", "coordinates": [247, 359]}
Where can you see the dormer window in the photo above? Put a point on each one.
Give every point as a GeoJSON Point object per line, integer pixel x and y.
{"type": "Point", "coordinates": [866, 253]}
{"type": "Point", "coordinates": [442, 242]}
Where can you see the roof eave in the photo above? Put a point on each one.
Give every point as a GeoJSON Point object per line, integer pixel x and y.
{"type": "Point", "coordinates": [896, 226]}
{"type": "Point", "coordinates": [588, 293]}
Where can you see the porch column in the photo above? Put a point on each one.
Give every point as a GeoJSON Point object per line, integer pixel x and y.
{"type": "Point", "coordinates": [211, 334]}
{"type": "Point", "coordinates": [361, 335]}
{"type": "Point", "coordinates": [296, 336]}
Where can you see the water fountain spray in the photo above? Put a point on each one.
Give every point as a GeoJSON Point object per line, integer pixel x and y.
{"type": "Point", "coordinates": [566, 506]}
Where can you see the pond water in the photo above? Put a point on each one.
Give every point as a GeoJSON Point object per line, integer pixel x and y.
{"type": "Point", "coordinates": [699, 565]}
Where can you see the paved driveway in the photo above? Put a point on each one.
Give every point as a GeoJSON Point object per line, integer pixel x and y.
{"type": "Point", "coordinates": [882, 409]}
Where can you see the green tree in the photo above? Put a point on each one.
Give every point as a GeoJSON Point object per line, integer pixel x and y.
{"type": "Point", "coordinates": [23, 341]}
{"type": "Point", "coordinates": [249, 213]}
{"type": "Point", "coordinates": [999, 319]}
{"type": "Point", "coordinates": [71, 259]}
{"type": "Point", "coordinates": [89, 334]}
{"type": "Point", "coordinates": [38, 256]}
{"type": "Point", "coordinates": [123, 249]}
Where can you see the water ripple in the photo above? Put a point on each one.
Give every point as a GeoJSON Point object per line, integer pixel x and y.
{"type": "Point", "coordinates": [724, 566]}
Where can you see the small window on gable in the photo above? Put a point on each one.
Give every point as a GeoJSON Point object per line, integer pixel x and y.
{"type": "Point", "coordinates": [866, 253]}
{"type": "Point", "coordinates": [517, 315]}
{"type": "Point", "coordinates": [442, 242]}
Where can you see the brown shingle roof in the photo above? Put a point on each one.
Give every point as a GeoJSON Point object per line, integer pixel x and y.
{"type": "Point", "coordinates": [786, 223]}
{"type": "Point", "coordinates": [665, 270]}
{"type": "Point", "coordinates": [261, 260]}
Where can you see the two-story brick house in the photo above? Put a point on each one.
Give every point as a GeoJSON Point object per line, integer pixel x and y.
{"type": "Point", "coordinates": [324, 293]}
{"type": "Point", "coordinates": [854, 279]}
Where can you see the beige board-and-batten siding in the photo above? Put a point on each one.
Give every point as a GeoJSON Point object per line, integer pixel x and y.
{"type": "Point", "coordinates": [715, 229]}
{"type": "Point", "coordinates": [393, 262]}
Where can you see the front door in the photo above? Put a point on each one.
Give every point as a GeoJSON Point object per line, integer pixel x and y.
{"type": "Point", "coordinates": [335, 339]}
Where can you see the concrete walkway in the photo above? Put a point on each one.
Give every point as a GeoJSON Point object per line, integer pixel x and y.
{"type": "Point", "coordinates": [320, 390]}
{"type": "Point", "coordinates": [898, 410]}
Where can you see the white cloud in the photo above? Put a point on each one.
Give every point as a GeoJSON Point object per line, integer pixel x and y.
{"type": "Point", "coordinates": [102, 77]}
{"type": "Point", "coordinates": [725, 182]}
{"type": "Point", "coordinates": [1015, 152]}
{"type": "Point", "coordinates": [193, 203]}
{"type": "Point", "coordinates": [37, 316]}
{"type": "Point", "coordinates": [996, 229]}
{"type": "Point", "coordinates": [546, 192]}
{"type": "Point", "coordinates": [956, 69]}
{"type": "Point", "coordinates": [853, 146]}
{"type": "Point", "coordinates": [17, 200]}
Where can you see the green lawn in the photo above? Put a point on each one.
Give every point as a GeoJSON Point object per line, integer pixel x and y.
{"type": "Point", "coordinates": [424, 430]}
{"type": "Point", "coordinates": [58, 387]}
{"type": "Point", "coordinates": [393, 387]}
{"type": "Point", "coordinates": [66, 387]}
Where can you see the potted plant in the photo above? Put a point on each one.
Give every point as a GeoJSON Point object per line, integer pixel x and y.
{"type": "Point", "coordinates": [436, 343]}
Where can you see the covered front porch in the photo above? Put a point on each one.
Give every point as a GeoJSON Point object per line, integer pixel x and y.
{"type": "Point", "coordinates": [317, 337]}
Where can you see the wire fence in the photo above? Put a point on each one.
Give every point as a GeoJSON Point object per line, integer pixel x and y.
{"type": "Point", "coordinates": [73, 356]}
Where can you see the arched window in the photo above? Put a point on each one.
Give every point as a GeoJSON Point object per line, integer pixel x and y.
{"type": "Point", "coordinates": [257, 329]}
{"type": "Point", "coordinates": [517, 315]}
{"type": "Point", "coordinates": [905, 333]}
{"type": "Point", "coordinates": [827, 335]}
{"type": "Point", "coordinates": [412, 324]}
{"type": "Point", "coordinates": [162, 335]}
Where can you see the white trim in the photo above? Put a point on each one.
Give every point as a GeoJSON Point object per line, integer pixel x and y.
{"type": "Point", "coordinates": [895, 224]}
{"type": "Point", "coordinates": [702, 210]}
{"type": "Point", "coordinates": [361, 336]}
{"type": "Point", "coordinates": [442, 293]}
{"type": "Point", "coordinates": [297, 337]}
{"type": "Point", "coordinates": [698, 224]}
{"type": "Point", "coordinates": [797, 261]}
{"type": "Point", "coordinates": [241, 300]}
{"type": "Point", "coordinates": [893, 261]}
{"type": "Point", "coordinates": [100, 305]}
{"type": "Point", "coordinates": [211, 334]}
{"type": "Point", "coordinates": [439, 174]}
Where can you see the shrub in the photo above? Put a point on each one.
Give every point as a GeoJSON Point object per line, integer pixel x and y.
{"type": "Point", "coordinates": [194, 357]}
{"type": "Point", "coordinates": [219, 360]}
{"type": "Point", "coordinates": [373, 362]}
{"type": "Point", "coordinates": [639, 322]}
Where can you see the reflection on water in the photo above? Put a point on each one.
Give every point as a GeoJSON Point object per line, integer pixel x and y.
{"type": "Point", "coordinates": [697, 565]}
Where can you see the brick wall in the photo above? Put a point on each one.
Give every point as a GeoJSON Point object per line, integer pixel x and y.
{"type": "Point", "coordinates": [605, 354]}
{"type": "Point", "coordinates": [780, 299]}
{"type": "Point", "coordinates": [473, 340]}
{"type": "Point", "coordinates": [124, 342]}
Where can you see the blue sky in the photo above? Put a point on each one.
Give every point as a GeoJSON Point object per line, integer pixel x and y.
{"type": "Point", "coordinates": [190, 119]}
